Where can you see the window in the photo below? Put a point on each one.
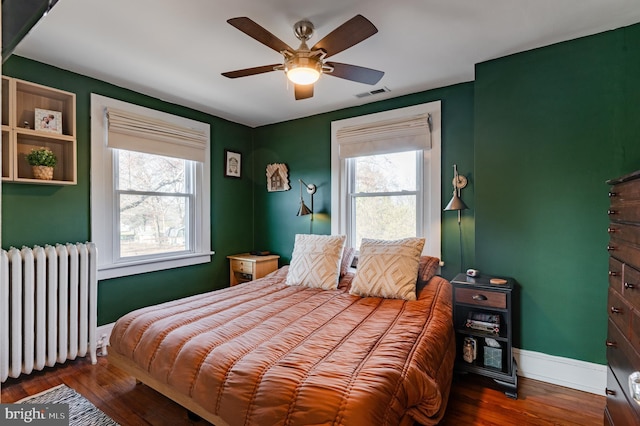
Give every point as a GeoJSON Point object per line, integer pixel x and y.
{"type": "Point", "coordinates": [154, 198]}
{"type": "Point", "coordinates": [385, 176]}
{"type": "Point", "coordinates": [149, 189]}
{"type": "Point", "coordinates": [385, 196]}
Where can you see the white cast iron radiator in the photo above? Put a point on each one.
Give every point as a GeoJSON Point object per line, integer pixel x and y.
{"type": "Point", "coordinates": [48, 306]}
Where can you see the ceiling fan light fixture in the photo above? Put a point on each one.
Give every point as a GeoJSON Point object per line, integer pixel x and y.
{"type": "Point", "coordinates": [303, 70]}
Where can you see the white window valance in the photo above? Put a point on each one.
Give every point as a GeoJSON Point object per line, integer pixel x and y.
{"type": "Point", "coordinates": [381, 137]}
{"type": "Point", "coordinates": [139, 133]}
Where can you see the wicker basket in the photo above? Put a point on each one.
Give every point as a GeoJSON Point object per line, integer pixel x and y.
{"type": "Point", "coordinates": [42, 172]}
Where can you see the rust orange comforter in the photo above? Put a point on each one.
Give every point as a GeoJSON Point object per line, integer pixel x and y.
{"type": "Point", "coordinates": [263, 353]}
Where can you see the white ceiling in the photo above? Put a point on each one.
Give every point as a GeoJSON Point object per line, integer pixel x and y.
{"type": "Point", "coordinates": [175, 50]}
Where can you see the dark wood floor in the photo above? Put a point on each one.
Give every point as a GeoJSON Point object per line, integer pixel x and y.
{"type": "Point", "coordinates": [471, 401]}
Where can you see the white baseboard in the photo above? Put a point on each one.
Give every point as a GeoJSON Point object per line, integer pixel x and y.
{"type": "Point", "coordinates": [567, 372]}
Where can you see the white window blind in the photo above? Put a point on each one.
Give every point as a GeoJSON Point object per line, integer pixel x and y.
{"type": "Point", "coordinates": [383, 137]}
{"type": "Point", "coordinates": [135, 132]}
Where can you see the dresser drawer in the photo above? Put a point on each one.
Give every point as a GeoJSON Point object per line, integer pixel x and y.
{"type": "Point", "coordinates": [619, 312]}
{"type": "Point", "coordinates": [615, 274]}
{"type": "Point", "coordinates": [492, 299]}
{"type": "Point", "coordinates": [618, 409]}
{"type": "Point", "coordinates": [624, 252]}
{"type": "Point", "coordinates": [623, 360]}
{"type": "Point", "coordinates": [242, 266]}
{"type": "Point", "coordinates": [631, 286]}
{"type": "Point", "coordinates": [625, 213]}
{"type": "Point", "coordinates": [624, 232]}
{"type": "Point", "coordinates": [625, 192]}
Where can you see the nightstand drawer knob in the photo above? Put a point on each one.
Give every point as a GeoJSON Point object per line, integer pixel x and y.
{"type": "Point", "coordinates": [611, 230]}
{"type": "Point", "coordinates": [613, 274]}
{"type": "Point", "coordinates": [611, 212]}
{"type": "Point", "coordinates": [610, 248]}
{"type": "Point", "coordinates": [612, 194]}
{"type": "Point", "coordinates": [610, 392]}
{"type": "Point", "coordinates": [629, 286]}
{"type": "Point", "coordinates": [611, 344]}
{"type": "Point", "coordinates": [479, 297]}
{"type": "Point", "coordinates": [615, 310]}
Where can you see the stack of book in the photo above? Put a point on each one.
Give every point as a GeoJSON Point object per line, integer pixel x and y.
{"type": "Point", "coordinates": [484, 322]}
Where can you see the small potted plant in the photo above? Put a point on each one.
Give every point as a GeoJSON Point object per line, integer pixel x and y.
{"type": "Point", "coordinates": [42, 161]}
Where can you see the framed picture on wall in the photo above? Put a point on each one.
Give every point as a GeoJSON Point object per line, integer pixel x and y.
{"type": "Point", "coordinates": [277, 177]}
{"type": "Point", "coordinates": [48, 121]}
{"type": "Point", "coordinates": [232, 164]}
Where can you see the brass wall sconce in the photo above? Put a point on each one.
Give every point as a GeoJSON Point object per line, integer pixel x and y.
{"type": "Point", "coordinates": [456, 203]}
{"type": "Point", "coordinates": [303, 209]}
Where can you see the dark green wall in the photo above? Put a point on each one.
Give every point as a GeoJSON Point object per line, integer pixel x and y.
{"type": "Point", "coordinates": [39, 214]}
{"type": "Point", "coordinates": [305, 146]}
{"type": "Point", "coordinates": [551, 126]}
{"type": "Point", "coordinates": [537, 134]}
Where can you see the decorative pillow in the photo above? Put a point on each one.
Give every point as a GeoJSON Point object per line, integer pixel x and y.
{"type": "Point", "coordinates": [315, 261]}
{"type": "Point", "coordinates": [347, 258]}
{"type": "Point", "coordinates": [388, 269]}
{"type": "Point", "coordinates": [428, 268]}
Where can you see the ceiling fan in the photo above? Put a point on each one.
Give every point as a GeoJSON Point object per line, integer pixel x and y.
{"type": "Point", "coordinates": [303, 66]}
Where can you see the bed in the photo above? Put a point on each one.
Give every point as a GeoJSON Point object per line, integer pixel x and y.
{"type": "Point", "coordinates": [268, 352]}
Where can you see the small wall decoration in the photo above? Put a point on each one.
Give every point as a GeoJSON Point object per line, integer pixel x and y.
{"type": "Point", "coordinates": [277, 177]}
{"type": "Point", "coordinates": [232, 164]}
{"type": "Point", "coordinates": [48, 121]}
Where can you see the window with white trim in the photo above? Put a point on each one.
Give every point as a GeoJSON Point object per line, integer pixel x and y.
{"type": "Point", "coordinates": [385, 176]}
{"type": "Point", "coordinates": [384, 194]}
{"type": "Point", "coordinates": [149, 189]}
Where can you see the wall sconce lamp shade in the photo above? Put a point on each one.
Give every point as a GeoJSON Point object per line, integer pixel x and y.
{"type": "Point", "coordinates": [304, 210]}
{"type": "Point", "coordinates": [456, 203]}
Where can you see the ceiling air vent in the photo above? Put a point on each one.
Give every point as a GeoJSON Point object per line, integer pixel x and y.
{"type": "Point", "coordinates": [373, 92]}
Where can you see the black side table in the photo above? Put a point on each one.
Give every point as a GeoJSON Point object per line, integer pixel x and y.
{"type": "Point", "coordinates": [482, 317]}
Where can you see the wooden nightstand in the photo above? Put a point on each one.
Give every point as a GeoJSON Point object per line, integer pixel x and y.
{"type": "Point", "coordinates": [247, 267]}
{"type": "Point", "coordinates": [482, 316]}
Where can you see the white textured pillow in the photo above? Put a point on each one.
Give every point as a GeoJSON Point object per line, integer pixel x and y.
{"type": "Point", "coordinates": [315, 261]}
{"type": "Point", "coordinates": [388, 269]}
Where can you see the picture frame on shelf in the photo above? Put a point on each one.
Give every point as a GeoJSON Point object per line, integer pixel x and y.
{"type": "Point", "coordinates": [48, 121]}
{"type": "Point", "coordinates": [232, 164]}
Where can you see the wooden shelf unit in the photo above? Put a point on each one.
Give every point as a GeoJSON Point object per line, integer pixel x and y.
{"type": "Point", "coordinates": [19, 101]}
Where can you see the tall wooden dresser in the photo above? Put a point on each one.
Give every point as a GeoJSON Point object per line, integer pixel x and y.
{"type": "Point", "coordinates": [623, 336]}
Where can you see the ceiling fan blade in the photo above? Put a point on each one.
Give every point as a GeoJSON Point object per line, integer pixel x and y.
{"type": "Point", "coordinates": [250, 71]}
{"type": "Point", "coordinates": [346, 35]}
{"type": "Point", "coordinates": [258, 33]}
{"type": "Point", "coordinates": [355, 73]}
{"type": "Point", "coordinates": [303, 91]}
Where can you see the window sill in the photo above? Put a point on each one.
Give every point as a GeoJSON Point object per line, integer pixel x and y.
{"type": "Point", "coordinates": [123, 269]}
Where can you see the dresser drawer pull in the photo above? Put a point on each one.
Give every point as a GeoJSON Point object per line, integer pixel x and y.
{"type": "Point", "coordinates": [613, 194]}
{"type": "Point", "coordinates": [611, 212]}
{"type": "Point", "coordinates": [611, 230]}
{"type": "Point", "coordinates": [613, 274]}
{"type": "Point", "coordinates": [611, 344]}
{"type": "Point", "coordinates": [629, 286]}
{"type": "Point", "coordinates": [479, 297]}
{"type": "Point", "coordinates": [615, 310]}
{"type": "Point", "coordinates": [611, 248]}
{"type": "Point", "coordinates": [609, 392]}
